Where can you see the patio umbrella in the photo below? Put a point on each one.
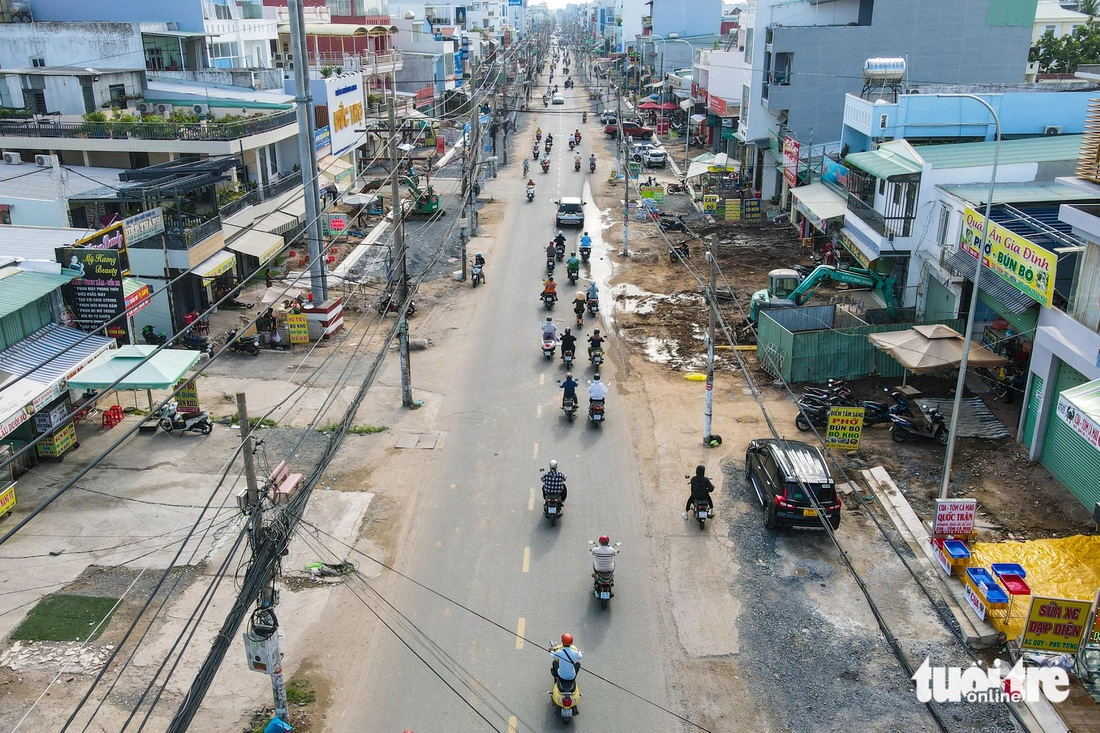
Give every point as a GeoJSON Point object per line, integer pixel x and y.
{"type": "Point", "coordinates": [649, 106]}
{"type": "Point", "coordinates": [932, 348]}
{"type": "Point", "coordinates": [161, 371]}
{"type": "Point", "coordinates": [669, 106]}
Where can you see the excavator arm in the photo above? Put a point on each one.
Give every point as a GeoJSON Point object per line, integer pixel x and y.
{"type": "Point", "coordinates": [853, 276]}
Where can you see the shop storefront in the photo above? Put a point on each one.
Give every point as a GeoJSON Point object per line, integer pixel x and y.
{"type": "Point", "coordinates": [817, 212]}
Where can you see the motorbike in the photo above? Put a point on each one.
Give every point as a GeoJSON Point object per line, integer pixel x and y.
{"type": "Point", "coordinates": [678, 252]}
{"type": "Point", "coordinates": [567, 359]}
{"type": "Point", "coordinates": [548, 300]}
{"type": "Point", "coordinates": [550, 264]}
{"type": "Point", "coordinates": [564, 696]}
{"type": "Point", "coordinates": [535, 153]}
{"type": "Point", "coordinates": [672, 223]}
{"type": "Point", "coordinates": [548, 146]}
{"type": "Point", "coordinates": [593, 305]}
{"type": "Point", "coordinates": [703, 510]}
{"type": "Point", "coordinates": [586, 252]}
{"type": "Point", "coordinates": [530, 193]}
{"type": "Point", "coordinates": [576, 164]}
{"type": "Point", "coordinates": [602, 583]}
{"type": "Point", "coordinates": [573, 274]}
{"type": "Point", "coordinates": [596, 412]}
{"type": "Point", "coordinates": [548, 347]}
{"type": "Point", "coordinates": [234, 304]}
{"type": "Point", "coordinates": [835, 399]}
{"type": "Point", "coordinates": [572, 144]}
{"type": "Point", "coordinates": [388, 304]}
{"type": "Point", "coordinates": [545, 165]}
{"type": "Point", "coordinates": [569, 407]}
{"type": "Point", "coordinates": [194, 342]}
{"type": "Point", "coordinates": [671, 188]}
{"type": "Point", "coordinates": [538, 137]}
{"type": "Point", "coordinates": [169, 418]}
{"type": "Point", "coordinates": [930, 426]}
{"type": "Point", "coordinates": [152, 337]}
{"type": "Point", "coordinates": [475, 274]}
{"type": "Point", "coordinates": [559, 251]}
{"type": "Point", "coordinates": [545, 102]}
{"type": "Point", "coordinates": [243, 344]}
{"type": "Point", "coordinates": [875, 413]}
{"type": "Point", "coordinates": [584, 117]}
{"type": "Point", "coordinates": [811, 415]}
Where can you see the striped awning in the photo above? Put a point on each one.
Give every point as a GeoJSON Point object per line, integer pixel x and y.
{"type": "Point", "coordinates": [261, 245]}
{"type": "Point", "coordinates": [213, 266]}
{"type": "Point", "coordinates": [1012, 300]}
{"type": "Point", "coordinates": [53, 352]}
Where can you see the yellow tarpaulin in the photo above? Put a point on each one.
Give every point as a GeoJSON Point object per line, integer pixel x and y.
{"type": "Point", "coordinates": [1056, 568]}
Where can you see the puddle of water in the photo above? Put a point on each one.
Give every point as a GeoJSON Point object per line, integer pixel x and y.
{"type": "Point", "coordinates": [629, 298]}
{"type": "Point", "coordinates": [661, 351]}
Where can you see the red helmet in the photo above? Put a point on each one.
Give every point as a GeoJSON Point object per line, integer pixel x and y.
{"type": "Point", "coordinates": [604, 539]}
{"type": "Point", "coordinates": [567, 640]}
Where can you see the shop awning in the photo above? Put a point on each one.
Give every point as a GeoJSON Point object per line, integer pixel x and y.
{"type": "Point", "coordinates": [277, 222]}
{"type": "Point", "coordinates": [159, 371]}
{"type": "Point", "coordinates": [1011, 300]}
{"type": "Point", "coordinates": [1024, 323]}
{"type": "Point", "coordinates": [698, 118]}
{"type": "Point", "coordinates": [1079, 407]}
{"type": "Point", "coordinates": [261, 245]}
{"type": "Point", "coordinates": [211, 267]}
{"type": "Point", "coordinates": [333, 167]}
{"type": "Point", "coordinates": [932, 348]}
{"type": "Point", "coordinates": [296, 207]}
{"type": "Point", "coordinates": [686, 105]}
{"type": "Point", "coordinates": [819, 203]}
{"type": "Point", "coordinates": [26, 286]}
{"type": "Point", "coordinates": [884, 164]}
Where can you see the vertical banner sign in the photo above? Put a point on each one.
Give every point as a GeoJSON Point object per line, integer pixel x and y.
{"type": "Point", "coordinates": [845, 428]}
{"type": "Point", "coordinates": [752, 210]}
{"type": "Point", "coordinates": [297, 328]}
{"type": "Point", "coordinates": [710, 202]}
{"type": "Point", "coordinates": [1026, 266]}
{"type": "Point", "coordinates": [7, 500]}
{"type": "Point", "coordinates": [954, 517]}
{"type": "Point", "coordinates": [655, 193]}
{"type": "Point", "coordinates": [96, 294]}
{"type": "Point", "coordinates": [733, 209]}
{"type": "Point", "coordinates": [187, 399]}
{"type": "Point", "coordinates": [790, 161]}
{"type": "Point", "coordinates": [1055, 625]}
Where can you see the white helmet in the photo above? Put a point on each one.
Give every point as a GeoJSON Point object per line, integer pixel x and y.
{"type": "Point", "coordinates": [553, 464]}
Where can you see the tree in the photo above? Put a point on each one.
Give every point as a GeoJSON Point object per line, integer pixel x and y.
{"type": "Point", "coordinates": [1088, 7]}
{"type": "Point", "coordinates": [1063, 55]}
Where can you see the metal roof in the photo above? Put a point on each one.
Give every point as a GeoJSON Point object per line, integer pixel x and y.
{"type": "Point", "coordinates": [37, 243]}
{"type": "Point", "coordinates": [1019, 193]}
{"type": "Point", "coordinates": [884, 164]}
{"type": "Point", "coordinates": [1026, 150]}
{"type": "Point", "coordinates": [1012, 299]}
{"type": "Point", "coordinates": [55, 350]}
{"type": "Point", "coordinates": [24, 286]}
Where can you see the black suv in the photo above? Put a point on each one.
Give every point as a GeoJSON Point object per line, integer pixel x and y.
{"type": "Point", "coordinates": [783, 473]}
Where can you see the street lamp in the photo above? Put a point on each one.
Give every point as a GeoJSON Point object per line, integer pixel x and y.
{"type": "Point", "coordinates": [957, 407]}
{"type": "Point", "coordinates": [687, 122]}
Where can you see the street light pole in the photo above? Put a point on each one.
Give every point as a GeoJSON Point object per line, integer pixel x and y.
{"type": "Point", "coordinates": [712, 258]}
{"type": "Point", "coordinates": [968, 331]}
{"type": "Point", "coordinates": [687, 122]}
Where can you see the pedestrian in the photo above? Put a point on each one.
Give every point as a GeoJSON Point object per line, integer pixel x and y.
{"type": "Point", "coordinates": [332, 192]}
{"type": "Point", "coordinates": [267, 277]}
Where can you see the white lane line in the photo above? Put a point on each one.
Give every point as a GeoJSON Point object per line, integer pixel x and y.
{"type": "Point", "coordinates": [535, 452]}
{"type": "Point", "coordinates": [519, 632]}
{"type": "Point", "coordinates": [526, 559]}
{"type": "Point", "coordinates": [538, 411]}
{"type": "Point", "coordinates": [512, 723]}
{"type": "Point", "coordinates": [542, 379]}
{"type": "Point", "coordinates": [531, 502]}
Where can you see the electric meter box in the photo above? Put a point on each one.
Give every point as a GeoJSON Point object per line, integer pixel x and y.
{"type": "Point", "coordinates": [262, 655]}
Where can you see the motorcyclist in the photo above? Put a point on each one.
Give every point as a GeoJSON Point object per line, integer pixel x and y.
{"type": "Point", "coordinates": [595, 341]}
{"type": "Point", "coordinates": [577, 162]}
{"type": "Point", "coordinates": [584, 117]}
{"type": "Point", "coordinates": [591, 161]}
{"type": "Point", "coordinates": [579, 303]}
{"type": "Point", "coordinates": [526, 167]}
{"type": "Point", "coordinates": [553, 483]}
{"type": "Point", "coordinates": [549, 287]}
{"type": "Point", "coordinates": [577, 136]}
{"type": "Point", "coordinates": [569, 385]}
{"type": "Point", "coordinates": [593, 292]}
{"type": "Point", "coordinates": [538, 133]}
{"type": "Point", "coordinates": [701, 488]}
{"type": "Point", "coordinates": [597, 390]}
{"type": "Point", "coordinates": [573, 264]}
{"type": "Point", "coordinates": [603, 556]}
{"type": "Point", "coordinates": [572, 140]}
{"type": "Point", "coordinates": [479, 260]}
{"type": "Point", "coordinates": [567, 660]}
{"type": "Point", "coordinates": [549, 139]}
{"type": "Point", "coordinates": [560, 238]}
{"type": "Point", "coordinates": [549, 330]}
{"type": "Point", "coordinates": [535, 152]}
{"type": "Point", "coordinates": [551, 249]}
{"type": "Point", "coordinates": [568, 343]}
{"type": "Point", "coordinates": [586, 242]}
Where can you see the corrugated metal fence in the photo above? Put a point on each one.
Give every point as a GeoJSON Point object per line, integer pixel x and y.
{"type": "Point", "coordinates": [816, 343]}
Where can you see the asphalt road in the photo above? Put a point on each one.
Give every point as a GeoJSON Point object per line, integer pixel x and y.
{"type": "Point", "coordinates": [482, 540]}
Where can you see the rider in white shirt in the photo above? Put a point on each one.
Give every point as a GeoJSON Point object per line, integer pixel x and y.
{"type": "Point", "coordinates": [597, 390]}
{"type": "Point", "coordinates": [603, 556]}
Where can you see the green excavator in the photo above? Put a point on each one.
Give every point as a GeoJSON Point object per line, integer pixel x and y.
{"type": "Point", "coordinates": [423, 202]}
{"type": "Point", "coordinates": [784, 288]}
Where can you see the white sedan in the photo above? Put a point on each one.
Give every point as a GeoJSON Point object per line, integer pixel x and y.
{"type": "Point", "coordinates": [557, 99]}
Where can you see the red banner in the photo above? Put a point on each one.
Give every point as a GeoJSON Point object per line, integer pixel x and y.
{"type": "Point", "coordinates": [717, 105]}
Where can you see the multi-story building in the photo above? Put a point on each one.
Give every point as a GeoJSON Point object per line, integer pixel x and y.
{"type": "Point", "coordinates": [806, 56]}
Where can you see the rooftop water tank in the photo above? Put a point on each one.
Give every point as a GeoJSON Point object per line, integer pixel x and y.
{"type": "Point", "coordinates": [884, 71]}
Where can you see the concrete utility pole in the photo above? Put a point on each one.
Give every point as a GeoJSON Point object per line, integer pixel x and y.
{"type": "Point", "coordinates": [397, 211]}
{"type": "Point", "coordinates": [306, 151]}
{"type": "Point", "coordinates": [246, 438]}
{"type": "Point", "coordinates": [626, 175]}
{"type": "Point", "coordinates": [712, 258]}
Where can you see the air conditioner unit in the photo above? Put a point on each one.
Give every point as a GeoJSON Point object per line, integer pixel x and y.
{"type": "Point", "coordinates": [201, 109]}
{"type": "Point", "coordinates": [164, 109]}
{"type": "Point", "coordinates": [12, 159]}
{"type": "Point", "coordinates": [44, 161]}
{"type": "Point", "coordinates": [145, 108]}
{"type": "Point", "coordinates": [1052, 130]}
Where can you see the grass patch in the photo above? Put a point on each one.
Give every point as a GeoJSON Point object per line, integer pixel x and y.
{"type": "Point", "coordinates": [354, 430]}
{"type": "Point", "coordinates": [253, 422]}
{"type": "Point", "coordinates": [300, 692]}
{"type": "Point", "coordinates": [65, 618]}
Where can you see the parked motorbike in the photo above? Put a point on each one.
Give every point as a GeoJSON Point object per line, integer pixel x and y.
{"type": "Point", "coordinates": [548, 347]}
{"type": "Point", "coordinates": [671, 188]}
{"type": "Point", "coordinates": [234, 304]}
{"type": "Point", "coordinates": [834, 399]}
{"type": "Point", "coordinates": [929, 426]}
{"type": "Point", "coordinates": [875, 413]}
{"type": "Point", "coordinates": [475, 274]}
{"type": "Point", "coordinates": [545, 165]}
{"type": "Point", "coordinates": [596, 412]}
{"type": "Point", "coordinates": [243, 344]}
{"type": "Point", "coordinates": [152, 337]}
{"type": "Point", "coordinates": [811, 415]}
{"type": "Point", "coordinates": [169, 418]}
{"type": "Point", "coordinates": [388, 304]}
{"type": "Point", "coordinates": [569, 407]}
{"type": "Point", "coordinates": [677, 252]}
{"type": "Point", "coordinates": [672, 223]}
{"type": "Point", "coordinates": [530, 193]}
{"type": "Point", "coordinates": [195, 342]}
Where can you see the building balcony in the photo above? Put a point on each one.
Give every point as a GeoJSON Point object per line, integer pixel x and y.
{"type": "Point", "coordinates": [151, 128]}
{"type": "Point", "coordinates": [366, 63]}
{"type": "Point", "coordinates": [887, 227]}
{"type": "Point", "coordinates": [183, 231]}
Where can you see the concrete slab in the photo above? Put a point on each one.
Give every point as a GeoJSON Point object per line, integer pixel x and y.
{"type": "Point", "coordinates": [339, 514]}
{"type": "Point", "coordinates": [407, 440]}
